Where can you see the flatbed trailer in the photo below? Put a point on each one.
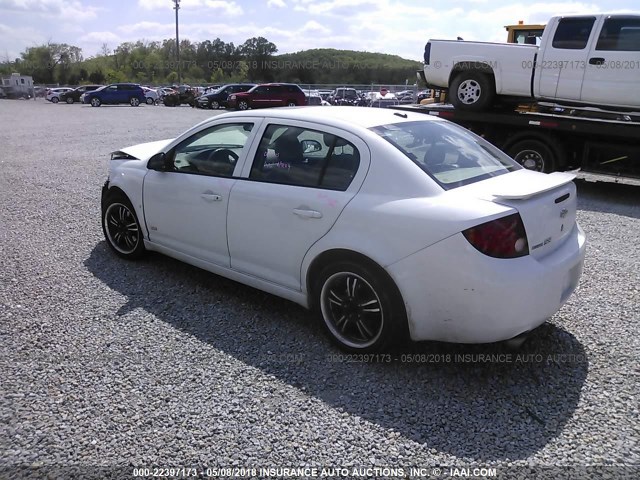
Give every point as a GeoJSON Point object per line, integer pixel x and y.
{"type": "Point", "coordinates": [560, 139]}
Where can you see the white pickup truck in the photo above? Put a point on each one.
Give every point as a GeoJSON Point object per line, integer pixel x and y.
{"type": "Point", "coordinates": [589, 60]}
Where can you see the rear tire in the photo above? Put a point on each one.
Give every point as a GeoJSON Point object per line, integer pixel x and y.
{"type": "Point", "coordinates": [292, 103]}
{"type": "Point", "coordinates": [473, 91]}
{"type": "Point", "coordinates": [121, 227]}
{"type": "Point", "coordinates": [150, 101]}
{"type": "Point", "coordinates": [360, 306]}
{"type": "Point", "coordinates": [69, 100]}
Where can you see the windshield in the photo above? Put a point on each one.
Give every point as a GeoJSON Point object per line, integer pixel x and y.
{"type": "Point", "coordinates": [446, 152]}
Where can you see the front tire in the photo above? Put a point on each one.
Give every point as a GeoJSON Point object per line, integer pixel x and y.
{"type": "Point", "coordinates": [150, 101]}
{"type": "Point", "coordinates": [243, 105]}
{"type": "Point", "coordinates": [69, 100]}
{"type": "Point", "coordinates": [360, 306]}
{"type": "Point", "coordinates": [134, 101]}
{"type": "Point", "coordinates": [95, 102]}
{"type": "Point", "coordinates": [214, 105]}
{"type": "Point", "coordinates": [55, 100]}
{"type": "Point", "coordinates": [292, 103]}
{"type": "Point", "coordinates": [472, 91]}
{"type": "Point", "coordinates": [121, 227]}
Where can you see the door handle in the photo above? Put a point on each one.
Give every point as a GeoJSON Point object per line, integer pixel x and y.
{"type": "Point", "coordinates": [307, 213]}
{"type": "Point", "coordinates": [596, 61]}
{"type": "Point", "coordinates": [211, 197]}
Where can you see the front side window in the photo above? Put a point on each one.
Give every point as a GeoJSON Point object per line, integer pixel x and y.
{"type": "Point", "coordinates": [447, 152]}
{"type": "Point", "coordinates": [620, 34]}
{"type": "Point", "coordinates": [305, 157]}
{"type": "Point", "coordinates": [573, 33]}
{"type": "Point", "coordinates": [213, 151]}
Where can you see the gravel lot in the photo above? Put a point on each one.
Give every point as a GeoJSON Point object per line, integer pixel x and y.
{"type": "Point", "coordinates": [154, 363]}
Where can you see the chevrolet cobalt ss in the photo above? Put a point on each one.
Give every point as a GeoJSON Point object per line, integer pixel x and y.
{"type": "Point", "coordinates": [390, 225]}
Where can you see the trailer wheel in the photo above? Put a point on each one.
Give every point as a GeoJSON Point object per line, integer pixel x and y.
{"type": "Point", "coordinates": [472, 91]}
{"type": "Point", "coordinates": [534, 154]}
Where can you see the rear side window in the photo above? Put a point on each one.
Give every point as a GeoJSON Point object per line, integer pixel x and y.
{"type": "Point", "coordinates": [305, 157]}
{"type": "Point", "coordinates": [446, 152]}
{"type": "Point", "coordinates": [620, 34]}
{"type": "Point", "coordinates": [573, 33]}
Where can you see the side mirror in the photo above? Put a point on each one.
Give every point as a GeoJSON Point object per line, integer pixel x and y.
{"type": "Point", "coordinates": [159, 162]}
{"type": "Point", "coordinates": [311, 146]}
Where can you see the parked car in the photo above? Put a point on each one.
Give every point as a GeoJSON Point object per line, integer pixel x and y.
{"type": "Point", "coordinates": [388, 224]}
{"type": "Point", "coordinates": [116, 93]}
{"type": "Point", "coordinates": [344, 96]}
{"type": "Point", "coordinates": [218, 98]}
{"type": "Point", "coordinates": [75, 94]}
{"type": "Point", "coordinates": [314, 98]}
{"type": "Point", "coordinates": [151, 96]}
{"type": "Point", "coordinates": [268, 95]}
{"type": "Point", "coordinates": [325, 94]}
{"type": "Point", "coordinates": [180, 95]}
{"type": "Point", "coordinates": [53, 94]}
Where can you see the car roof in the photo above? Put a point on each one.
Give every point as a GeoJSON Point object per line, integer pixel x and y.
{"type": "Point", "coordinates": [338, 116]}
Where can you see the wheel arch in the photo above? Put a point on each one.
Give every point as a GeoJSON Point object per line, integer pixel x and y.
{"type": "Point", "coordinates": [475, 66]}
{"type": "Point", "coordinates": [338, 255]}
{"type": "Point", "coordinates": [128, 185]}
{"type": "Point", "coordinates": [335, 255]}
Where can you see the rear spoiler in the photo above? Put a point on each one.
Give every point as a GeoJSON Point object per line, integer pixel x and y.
{"type": "Point", "coordinates": [544, 183]}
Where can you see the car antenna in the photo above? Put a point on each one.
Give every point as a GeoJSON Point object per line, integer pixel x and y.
{"type": "Point", "coordinates": [403, 115]}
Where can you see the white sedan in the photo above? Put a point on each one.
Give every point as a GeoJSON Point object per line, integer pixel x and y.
{"type": "Point", "coordinates": [389, 224]}
{"type": "Point", "coordinates": [53, 94]}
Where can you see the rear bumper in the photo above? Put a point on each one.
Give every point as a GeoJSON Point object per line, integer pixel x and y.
{"type": "Point", "coordinates": [453, 293]}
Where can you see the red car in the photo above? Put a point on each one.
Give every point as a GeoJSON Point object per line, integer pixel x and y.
{"type": "Point", "coordinates": [268, 95]}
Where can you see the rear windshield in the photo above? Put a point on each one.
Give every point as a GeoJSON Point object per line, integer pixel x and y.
{"type": "Point", "coordinates": [446, 152]}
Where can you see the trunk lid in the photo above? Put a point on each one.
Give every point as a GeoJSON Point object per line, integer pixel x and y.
{"type": "Point", "coordinates": [547, 204]}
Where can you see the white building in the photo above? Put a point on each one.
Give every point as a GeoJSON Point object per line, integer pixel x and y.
{"type": "Point", "coordinates": [16, 85]}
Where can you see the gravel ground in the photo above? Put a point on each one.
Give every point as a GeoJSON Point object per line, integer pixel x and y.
{"type": "Point", "coordinates": [155, 363]}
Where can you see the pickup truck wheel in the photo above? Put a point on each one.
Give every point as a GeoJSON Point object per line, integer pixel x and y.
{"type": "Point", "coordinates": [533, 155]}
{"type": "Point", "coordinates": [472, 91]}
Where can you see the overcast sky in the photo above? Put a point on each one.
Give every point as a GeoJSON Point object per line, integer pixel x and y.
{"type": "Point", "coordinates": [387, 26]}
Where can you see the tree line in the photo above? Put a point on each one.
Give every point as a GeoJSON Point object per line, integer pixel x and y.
{"type": "Point", "coordinates": [207, 62]}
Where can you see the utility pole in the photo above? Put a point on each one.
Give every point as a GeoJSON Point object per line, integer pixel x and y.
{"type": "Point", "coordinates": [176, 8]}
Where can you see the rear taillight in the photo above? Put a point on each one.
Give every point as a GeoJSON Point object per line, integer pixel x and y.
{"type": "Point", "coordinates": [501, 238]}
